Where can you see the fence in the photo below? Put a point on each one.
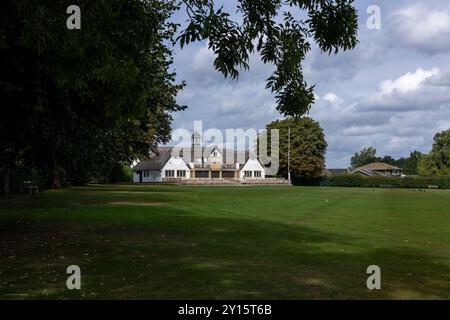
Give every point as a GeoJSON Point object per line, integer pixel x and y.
{"type": "Point", "coordinates": [225, 181]}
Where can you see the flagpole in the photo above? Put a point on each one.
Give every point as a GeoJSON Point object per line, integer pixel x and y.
{"type": "Point", "coordinates": [289, 154]}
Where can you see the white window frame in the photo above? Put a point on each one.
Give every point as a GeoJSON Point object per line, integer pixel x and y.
{"type": "Point", "coordinates": [169, 173]}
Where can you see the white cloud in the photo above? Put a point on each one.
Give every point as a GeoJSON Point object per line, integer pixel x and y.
{"type": "Point", "coordinates": [441, 78]}
{"type": "Point", "coordinates": [408, 82]}
{"type": "Point", "coordinates": [402, 116]}
{"type": "Point", "coordinates": [410, 92]}
{"type": "Point", "coordinates": [333, 99]}
{"type": "Point", "coordinates": [424, 26]}
{"type": "Point", "coordinates": [364, 130]}
{"type": "Point", "coordinates": [203, 60]}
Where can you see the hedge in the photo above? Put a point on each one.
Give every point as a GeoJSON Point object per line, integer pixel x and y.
{"type": "Point", "coordinates": [121, 172]}
{"type": "Point", "coordinates": [387, 182]}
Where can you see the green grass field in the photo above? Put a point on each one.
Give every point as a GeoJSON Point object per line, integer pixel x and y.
{"type": "Point", "coordinates": [173, 242]}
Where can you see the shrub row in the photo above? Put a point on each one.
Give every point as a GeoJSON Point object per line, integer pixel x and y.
{"type": "Point", "coordinates": [386, 182]}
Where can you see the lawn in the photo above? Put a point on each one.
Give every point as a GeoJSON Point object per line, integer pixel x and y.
{"type": "Point", "coordinates": [174, 242]}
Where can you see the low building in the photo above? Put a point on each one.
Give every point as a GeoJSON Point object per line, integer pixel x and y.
{"type": "Point", "coordinates": [171, 164]}
{"type": "Point", "coordinates": [378, 168]}
{"type": "Point", "coordinates": [159, 166]}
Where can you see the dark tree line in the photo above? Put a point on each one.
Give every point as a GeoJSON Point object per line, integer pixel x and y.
{"type": "Point", "coordinates": [369, 155]}
{"type": "Point", "coordinates": [435, 163]}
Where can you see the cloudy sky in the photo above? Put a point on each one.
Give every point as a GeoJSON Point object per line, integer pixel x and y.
{"type": "Point", "coordinates": [392, 92]}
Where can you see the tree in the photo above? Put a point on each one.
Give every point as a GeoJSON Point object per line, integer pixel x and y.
{"type": "Point", "coordinates": [388, 159]}
{"type": "Point", "coordinates": [437, 162]}
{"type": "Point", "coordinates": [410, 165]}
{"type": "Point", "coordinates": [441, 150]}
{"type": "Point", "coordinates": [77, 102]}
{"type": "Point", "coordinates": [332, 24]}
{"type": "Point", "coordinates": [427, 166]}
{"type": "Point", "coordinates": [308, 147]}
{"type": "Point", "coordinates": [365, 156]}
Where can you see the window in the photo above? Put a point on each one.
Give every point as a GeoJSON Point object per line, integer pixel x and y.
{"type": "Point", "coordinates": [170, 173]}
{"type": "Point", "coordinates": [146, 173]}
{"type": "Point", "coordinates": [247, 174]}
{"type": "Point", "coordinates": [201, 174]}
{"type": "Point", "coordinates": [227, 174]}
{"type": "Point", "coordinates": [181, 173]}
{"type": "Point", "coordinates": [257, 174]}
{"type": "Point", "coordinates": [215, 174]}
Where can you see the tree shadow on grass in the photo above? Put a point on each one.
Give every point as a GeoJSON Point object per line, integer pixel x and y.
{"type": "Point", "coordinates": [173, 254]}
{"type": "Point", "coordinates": [260, 259]}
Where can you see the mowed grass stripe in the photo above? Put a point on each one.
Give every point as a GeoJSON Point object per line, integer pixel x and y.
{"type": "Point", "coordinates": [161, 242]}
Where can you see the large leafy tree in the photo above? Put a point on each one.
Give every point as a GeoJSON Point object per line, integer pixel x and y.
{"type": "Point", "coordinates": [308, 147]}
{"type": "Point", "coordinates": [269, 28]}
{"type": "Point", "coordinates": [76, 102]}
{"type": "Point", "coordinates": [437, 162]}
